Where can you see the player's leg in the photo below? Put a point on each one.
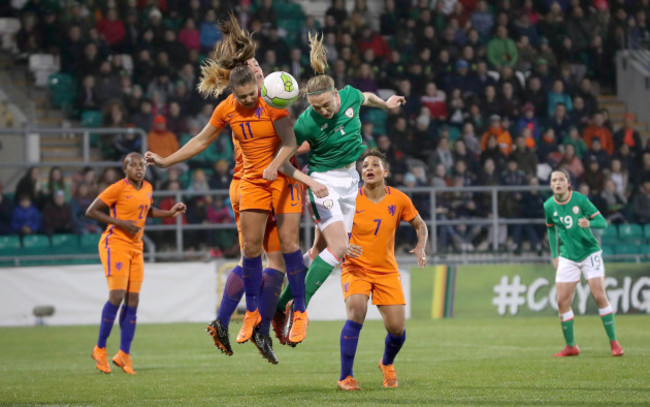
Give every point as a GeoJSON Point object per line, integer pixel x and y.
{"type": "Point", "coordinates": [594, 271]}
{"type": "Point", "coordinates": [128, 312]}
{"type": "Point", "coordinates": [566, 278]}
{"type": "Point", "coordinates": [394, 317]}
{"type": "Point", "coordinates": [356, 291]}
{"type": "Point", "coordinates": [234, 288]}
{"type": "Point", "coordinates": [388, 295]}
{"type": "Point", "coordinates": [288, 230]}
{"type": "Point", "coordinates": [253, 224]}
{"type": "Point", "coordinates": [117, 282]}
{"type": "Point", "coordinates": [356, 307]}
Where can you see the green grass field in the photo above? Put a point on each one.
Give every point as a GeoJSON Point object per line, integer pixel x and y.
{"type": "Point", "coordinates": [494, 361]}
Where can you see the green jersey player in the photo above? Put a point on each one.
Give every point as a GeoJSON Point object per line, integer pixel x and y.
{"type": "Point", "coordinates": [571, 215]}
{"type": "Point", "coordinates": [332, 130]}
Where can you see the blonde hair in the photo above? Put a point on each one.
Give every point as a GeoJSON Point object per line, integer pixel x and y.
{"type": "Point", "coordinates": [318, 60]}
{"type": "Point", "coordinates": [236, 47]}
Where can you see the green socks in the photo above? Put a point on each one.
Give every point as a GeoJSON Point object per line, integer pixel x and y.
{"type": "Point", "coordinates": [567, 328]}
{"type": "Point", "coordinates": [607, 316]}
{"type": "Point", "coordinates": [318, 272]}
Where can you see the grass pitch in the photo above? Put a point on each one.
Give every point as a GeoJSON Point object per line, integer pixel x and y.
{"type": "Point", "coordinates": [455, 362]}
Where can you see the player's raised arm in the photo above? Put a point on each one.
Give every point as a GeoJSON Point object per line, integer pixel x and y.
{"type": "Point", "coordinates": [193, 147]}
{"type": "Point", "coordinates": [423, 234]}
{"type": "Point", "coordinates": [372, 100]}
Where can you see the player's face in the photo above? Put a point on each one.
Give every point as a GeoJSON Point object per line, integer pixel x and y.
{"type": "Point", "coordinates": [559, 183]}
{"type": "Point", "coordinates": [247, 94]}
{"type": "Point", "coordinates": [135, 168]}
{"type": "Point", "coordinates": [325, 104]}
{"type": "Point", "coordinates": [373, 170]}
{"type": "Point", "coordinates": [255, 66]}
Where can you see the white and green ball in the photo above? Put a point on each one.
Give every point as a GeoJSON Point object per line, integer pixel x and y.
{"type": "Point", "coordinates": [280, 89]}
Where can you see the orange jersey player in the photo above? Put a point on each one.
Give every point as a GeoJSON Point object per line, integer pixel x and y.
{"type": "Point", "coordinates": [124, 206]}
{"type": "Point", "coordinates": [266, 139]}
{"type": "Point", "coordinates": [379, 211]}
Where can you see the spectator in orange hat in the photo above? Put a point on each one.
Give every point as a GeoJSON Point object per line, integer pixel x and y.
{"type": "Point", "coordinates": [598, 130]}
{"type": "Point", "coordinates": [628, 135]}
{"type": "Point", "coordinates": [160, 140]}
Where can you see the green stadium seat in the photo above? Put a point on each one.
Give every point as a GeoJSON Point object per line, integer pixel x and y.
{"type": "Point", "coordinates": [10, 245]}
{"type": "Point", "coordinates": [377, 117]}
{"type": "Point", "coordinates": [609, 236]}
{"type": "Point", "coordinates": [67, 243]}
{"type": "Point", "coordinates": [608, 250]}
{"type": "Point", "coordinates": [63, 90]}
{"type": "Point", "coordinates": [646, 231]}
{"type": "Point", "coordinates": [640, 249]}
{"type": "Point", "coordinates": [630, 232]}
{"type": "Point", "coordinates": [36, 245]}
{"type": "Point", "coordinates": [88, 243]}
{"type": "Point", "coordinates": [92, 118]}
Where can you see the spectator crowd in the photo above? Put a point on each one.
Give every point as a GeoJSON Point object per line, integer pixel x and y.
{"type": "Point", "coordinates": [498, 93]}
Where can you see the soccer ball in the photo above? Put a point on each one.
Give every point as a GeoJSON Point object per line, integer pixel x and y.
{"type": "Point", "coordinates": [280, 89]}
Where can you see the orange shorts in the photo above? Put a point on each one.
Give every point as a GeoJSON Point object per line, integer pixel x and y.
{"type": "Point", "coordinates": [271, 241]}
{"type": "Point", "coordinates": [123, 267]}
{"type": "Point", "coordinates": [386, 288]}
{"type": "Point", "coordinates": [279, 196]}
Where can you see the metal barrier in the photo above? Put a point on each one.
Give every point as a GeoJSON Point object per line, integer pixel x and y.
{"type": "Point", "coordinates": [85, 133]}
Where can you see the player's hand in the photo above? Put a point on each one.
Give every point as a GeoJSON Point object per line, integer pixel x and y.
{"type": "Point", "coordinates": [583, 223]}
{"type": "Point", "coordinates": [177, 209]}
{"type": "Point", "coordinates": [129, 227]}
{"type": "Point", "coordinates": [353, 251]}
{"type": "Point", "coordinates": [270, 173]}
{"type": "Point", "coordinates": [154, 159]}
{"type": "Point", "coordinates": [555, 262]}
{"type": "Point", "coordinates": [395, 101]}
{"type": "Point", "coordinates": [421, 255]}
{"type": "Point", "coordinates": [319, 189]}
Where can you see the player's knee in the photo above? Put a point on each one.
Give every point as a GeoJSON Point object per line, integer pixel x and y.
{"type": "Point", "coordinates": [395, 330]}
{"type": "Point", "coordinates": [338, 249]}
{"type": "Point", "coordinates": [252, 249]}
{"type": "Point", "coordinates": [116, 297]}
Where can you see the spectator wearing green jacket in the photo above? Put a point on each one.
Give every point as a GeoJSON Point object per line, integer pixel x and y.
{"type": "Point", "coordinates": [501, 50]}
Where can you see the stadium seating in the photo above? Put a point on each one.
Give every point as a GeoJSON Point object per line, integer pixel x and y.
{"type": "Point", "coordinates": [92, 118]}
{"type": "Point", "coordinates": [42, 66]}
{"type": "Point", "coordinates": [646, 232]}
{"type": "Point", "coordinates": [378, 117]}
{"type": "Point", "coordinates": [65, 243]}
{"type": "Point", "coordinates": [36, 245]}
{"type": "Point", "coordinates": [609, 237]}
{"type": "Point", "coordinates": [10, 245]}
{"type": "Point", "coordinates": [63, 91]}
{"type": "Point", "coordinates": [8, 29]}
{"type": "Point", "coordinates": [630, 233]}
{"type": "Point", "coordinates": [88, 243]}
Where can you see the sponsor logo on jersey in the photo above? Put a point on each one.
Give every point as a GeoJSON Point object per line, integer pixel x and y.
{"type": "Point", "coordinates": [349, 112]}
{"type": "Point", "coordinates": [323, 127]}
{"type": "Point", "coordinates": [328, 204]}
{"type": "Point", "coordinates": [575, 210]}
{"type": "Point", "coordinates": [555, 213]}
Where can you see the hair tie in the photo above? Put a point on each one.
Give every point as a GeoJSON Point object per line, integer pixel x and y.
{"type": "Point", "coordinates": [319, 91]}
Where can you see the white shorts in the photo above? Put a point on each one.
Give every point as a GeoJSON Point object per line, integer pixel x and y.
{"type": "Point", "coordinates": [340, 203]}
{"type": "Point", "coordinates": [569, 271]}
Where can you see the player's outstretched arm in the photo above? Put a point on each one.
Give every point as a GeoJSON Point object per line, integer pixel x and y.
{"type": "Point", "coordinates": [175, 210]}
{"type": "Point", "coordinates": [372, 100]}
{"type": "Point", "coordinates": [288, 147]}
{"type": "Point", "coordinates": [98, 210]}
{"type": "Point", "coordinates": [316, 187]}
{"type": "Point", "coordinates": [423, 234]}
{"type": "Point", "coordinates": [193, 147]}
